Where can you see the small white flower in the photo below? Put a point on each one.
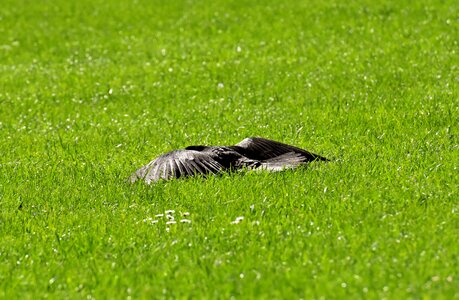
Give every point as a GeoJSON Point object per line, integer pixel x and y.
{"type": "Point", "coordinates": [185, 221]}
{"type": "Point", "coordinates": [238, 220]}
{"type": "Point", "coordinates": [171, 222]}
{"type": "Point", "coordinates": [170, 211]}
{"type": "Point", "coordinates": [159, 215]}
{"type": "Point", "coordinates": [170, 217]}
{"type": "Point", "coordinates": [185, 214]}
{"type": "Point", "coordinates": [220, 85]}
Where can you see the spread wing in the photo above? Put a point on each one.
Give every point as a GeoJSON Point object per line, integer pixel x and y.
{"type": "Point", "coordinates": [175, 164]}
{"type": "Point", "coordinates": [262, 149]}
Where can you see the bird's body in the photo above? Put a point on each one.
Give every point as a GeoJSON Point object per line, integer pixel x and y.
{"type": "Point", "coordinates": [251, 153]}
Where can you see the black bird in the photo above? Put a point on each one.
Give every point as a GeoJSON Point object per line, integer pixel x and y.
{"type": "Point", "coordinates": [250, 153]}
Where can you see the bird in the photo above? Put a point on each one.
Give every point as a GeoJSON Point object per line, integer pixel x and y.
{"type": "Point", "coordinates": [251, 153]}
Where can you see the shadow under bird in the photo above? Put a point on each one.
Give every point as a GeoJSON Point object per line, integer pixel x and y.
{"type": "Point", "coordinates": [250, 153]}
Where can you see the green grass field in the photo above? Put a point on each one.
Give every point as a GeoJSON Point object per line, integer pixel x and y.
{"type": "Point", "coordinates": [92, 90]}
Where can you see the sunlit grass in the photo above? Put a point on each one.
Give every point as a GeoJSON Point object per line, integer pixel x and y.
{"type": "Point", "coordinates": [92, 90]}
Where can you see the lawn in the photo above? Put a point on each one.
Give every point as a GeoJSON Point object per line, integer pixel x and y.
{"type": "Point", "coordinates": [92, 90]}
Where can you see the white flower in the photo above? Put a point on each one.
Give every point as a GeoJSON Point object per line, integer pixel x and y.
{"type": "Point", "coordinates": [185, 221]}
{"type": "Point", "coordinates": [238, 220]}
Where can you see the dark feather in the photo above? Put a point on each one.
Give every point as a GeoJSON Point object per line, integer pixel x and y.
{"type": "Point", "coordinates": [175, 164]}
{"type": "Point", "coordinates": [261, 148]}
{"type": "Point", "coordinates": [288, 160]}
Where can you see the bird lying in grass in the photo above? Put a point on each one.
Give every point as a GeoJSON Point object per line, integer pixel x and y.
{"type": "Point", "coordinates": [250, 153]}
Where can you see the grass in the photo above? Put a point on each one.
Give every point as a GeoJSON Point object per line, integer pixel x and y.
{"type": "Point", "coordinates": [92, 90]}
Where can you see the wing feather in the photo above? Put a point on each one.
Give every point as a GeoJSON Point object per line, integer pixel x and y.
{"type": "Point", "coordinates": [204, 166]}
{"type": "Point", "coordinates": [186, 167]}
{"type": "Point", "coordinates": [154, 173]}
{"type": "Point", "coordinates": [167, 172]}
{"type": "Point", "coordinates": [176, 164]}
{"type": "Point", "coordinates": [140, 173]}
{"type": "Point", "coordinates": [211, 166]}
{"type": "Point", "coordinates": [260, 149]}
{"type": "Point", "coordinates": [180, 169]}
{"type": "Point", "coordinates": [195, 167]}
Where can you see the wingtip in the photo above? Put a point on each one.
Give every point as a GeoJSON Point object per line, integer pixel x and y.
{"type": "Point", "coordinates": [321, 158]}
